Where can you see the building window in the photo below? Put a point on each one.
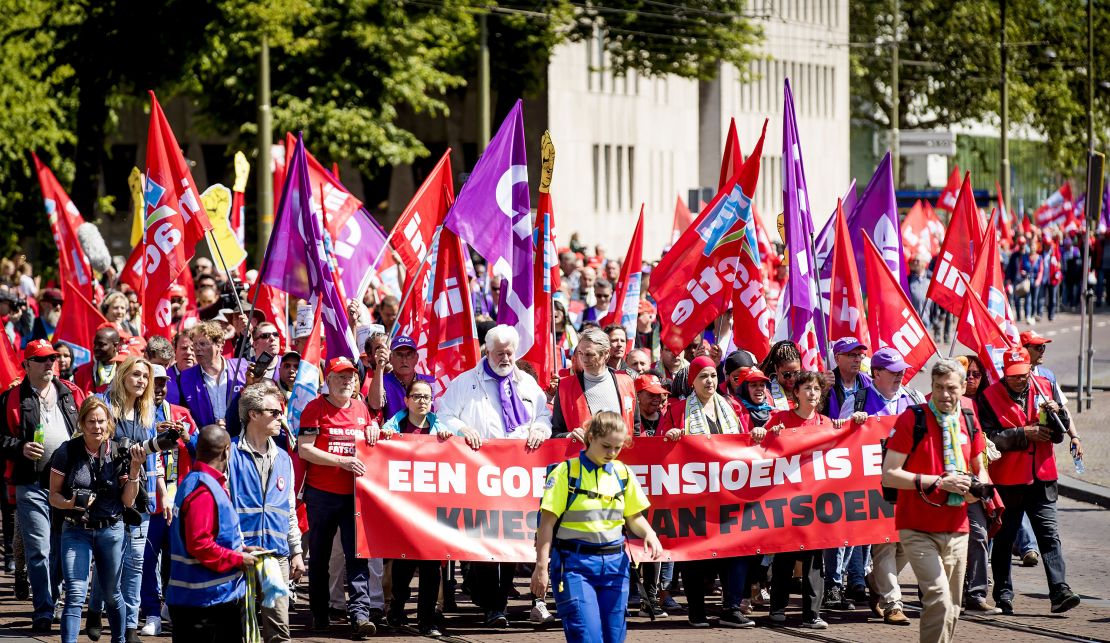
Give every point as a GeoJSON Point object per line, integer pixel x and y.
{"type": "Point", "coordinates": [620, 177]}
{"type": "Point", "coordinates": [631, 173]}
{"type": "Point", "coordinates": [608, 177]}
{"type": "Point", "coordinates": [597, 177]}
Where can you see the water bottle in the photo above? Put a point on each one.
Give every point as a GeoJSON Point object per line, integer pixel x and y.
{"type": "Point", "coordinates": [1078, 459]}
{"type": "Point", "coordinates": [40, 434]}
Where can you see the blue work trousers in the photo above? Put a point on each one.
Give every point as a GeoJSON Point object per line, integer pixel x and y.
{"type": "Point", "coordinates": [591, 592]}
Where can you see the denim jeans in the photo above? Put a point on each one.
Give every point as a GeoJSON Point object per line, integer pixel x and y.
{"type": "Point", "coordinates": [1025, 541]}
{"type": "Point", "coordinates": [847, 566]}
{"type": "Point", "coordinates": [79, 547]}
{"type": "Point", "coordinates": [131, 581]}
{"type": "Point", "coordinates": [1038, 501]}
{"type": "Point", "coordinates": [154, 561]}
{"type": "Point", "coordinates": [977, 577]}
{"type": "Point", "coordinates": [40, 544]}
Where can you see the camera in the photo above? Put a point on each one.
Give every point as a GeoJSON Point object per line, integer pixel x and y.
{"type": "Point", "coordinates": [980, 490]}
{"type": "Point", "coordinates": [13, 300]}
{"type": "Point", "coordinates": [161, 442]}
{"type": "Point", "coordinates": [82, 498]}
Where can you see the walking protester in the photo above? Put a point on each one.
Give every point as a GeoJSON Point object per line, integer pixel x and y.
{"type": "Point", "coordinates": [497, 400]}
{"type": "Point", "coordinates": [806, 392]}
{"type": "Point", "coordinates": [130, 401]}
{"type": "Point", "coordinates": [184, 357]}
{"type": "Point", "coordinates": [596, 388]}
{"type": "Point", "coordinates": [976, 378]}
{"type": "Point", "coordinates": [647, 329]}
{"type": "Point", "coordinates": [50, 312]}
{"type": "Point", "coordinates": [207, 583]}
{"type": "Point", "coordinates": [90, 487]}
{"type": "Point", "coordinates": [580, 549]}
{"type": "Point", "coordinates": [651, 396]}
{"type": "Point", "coordinates": [40, 415]}
{"type": "Point", "coordinates": [707, 412]}
{"type": "Point", "coordinates": [266, 339]}
{"type": "Point", "coordinates": [416, 418]}
{"type": "Point", "coordinates": [847, 384]}
{"type": "Point", "coordinates": [95, 376]}
{"type": "Point", "coordinates": [207, 388]}
{"type": "Point", "coordinates": [1020, 422]}
{"type": "Point", "coordinates": [755, 410]}
{"type": "Point", "coordinates": [668, 366]}
{"type": "Point", "coordinates": [638, 362]}
{"type": "Point", "coordinates": [934, 472]}
{"type": "Point", "coordinates": [783, 364]}
{"type": "Point", "coordinates": [261, 481]}
{"type": "Point", "coordinates": [326, 443]}
{"type": "Point", "coordinates": [887, 396]}
{"type": "Point", "coordinates": [174, 464]}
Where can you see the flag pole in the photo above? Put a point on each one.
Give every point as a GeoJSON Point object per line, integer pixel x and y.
{"type": "Point", "coordinates": [412, 282]}
{"type": "Point", "coordinates": [227, 271]}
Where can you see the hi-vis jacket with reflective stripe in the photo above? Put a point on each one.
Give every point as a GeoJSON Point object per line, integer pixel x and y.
{"type": "Point", "coordinates": [263, 513]}
{"type": "Point", "coordinates": [191, 583]}
{"type": "Point", "coordinates": [592, 501]}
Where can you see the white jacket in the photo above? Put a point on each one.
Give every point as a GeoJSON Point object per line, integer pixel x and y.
{"type": "Point", "coordinates": [472, 400]}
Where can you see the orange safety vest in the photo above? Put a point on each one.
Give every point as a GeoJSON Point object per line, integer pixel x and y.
{"type": "Point", "coordinates": [576, 412]}
{"type": "Point", "coordinates": [1037, 462]}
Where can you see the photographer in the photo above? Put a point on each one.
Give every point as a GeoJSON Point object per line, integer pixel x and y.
{"type": "Point", "coordinates": [19, 319]}
{"type": "Point", "coordinates": [91, 487]}
{"type": "Point", "coordinates": [130, 401]}
{"type": "Point", "coordinates": [1025, 424]}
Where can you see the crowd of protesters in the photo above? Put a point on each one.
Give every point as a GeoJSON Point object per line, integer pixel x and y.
{"type": "Point", "coordinates": [147, 485]}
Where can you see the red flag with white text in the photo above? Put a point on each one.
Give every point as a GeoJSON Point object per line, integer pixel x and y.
{"type": "Point", "coordinates": [546, 282]}
{"type": "Point", "coordinates": [891, 316]}
{"type": "Point", "coordinates": [452, 340]}
{"type": "Point", "coordinates": [845, 299]}
{"type": "Point", "coordinates": [978, 330]}
{"type": "Point", "coordinates": [961, 242]}
{"type": "Point", "coordinates": [987, 282]}
{"type": "Point", "coordinates": [73, 265]}
{"type": "Point", "coordinates": [412, 234]}
{"type": "Point", "coordinates": [947, 198]}
{"type": "Point", "coordinates": [1057, 208]}
{"type": "Point", "coordinates": [752, 319]}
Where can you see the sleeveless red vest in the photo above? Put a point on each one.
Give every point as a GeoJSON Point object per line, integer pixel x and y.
{"type": "Point", "coordinates": [572, 401]}
{"type": "Point", "coordinates": [1037, 462]}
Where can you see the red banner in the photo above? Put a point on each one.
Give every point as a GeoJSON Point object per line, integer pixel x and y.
{"type": "Point", "coordinates": [426, 499]}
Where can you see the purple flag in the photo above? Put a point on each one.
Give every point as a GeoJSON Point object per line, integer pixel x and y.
{"type": "Point", "coordinates": [823, 246]}
{"type": "Point", "coordinates": [493, 215]}
{"type": "Point", "coordinates": [877, 215]}
{"type": "Point", "coordinates": [1104, 218]}
{"type": "Point", "coordinates": [804, 323]}
{"type": "Point", "coordinates": [296, 261]}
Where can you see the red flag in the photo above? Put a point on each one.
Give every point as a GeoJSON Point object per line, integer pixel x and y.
{"type": "Point", "coordinates": [1006, 221]}
{"type": "Point", "coordinates": [625, 304]}
{"type": "Point", "coordinates": [273, 304]}
{"type": "Point", "coordinates": [1057, 209]}
{"type": "Point", "coordinates": [845, 299]}
{"type": "Point", "coordinates": [961, 241]}
{"type": "Point", "coordinates": [11, 364]}
{"type": "Point", "coordinates": [73, 265]}
{"type": "Point", "coordinates": [412, 234]}
{"type": "Point", "coordinates": [175, 220]}
{"type": "Point", "coordinates": [545, 284]}
{"type": "Point", "coordinates": [947, 199]}
{"type": "Point", "coordinates": [452, 341]}
{"type": "Point", "coordinates": [987, 282]}
{"type": "Point", "coordinates": [978, 330]}
{"type": "Point", "coordinates": [916, 236]}
{"type": "Point", "coordinates": [79, 320]}
{"type": "Point", "coordinates": [682, 220]}
{"type": "Point", "coordinates": [891, 316]}
{"type": "Point", "coordinates": [732, 158]}
{"type": "Point", "coordinates": [752, 321]}
{"type": "Point", "coordinates": [702, 262]}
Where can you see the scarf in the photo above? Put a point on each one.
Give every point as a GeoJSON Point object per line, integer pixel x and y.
{"type": "Point", "coordinates": [953, 454]}
{"type": "Point", "coordinates": [513, 413]}
{"type": "Point", "coordinates": [778, 396]}
{"type": "Point", "coordinates": [759, 413]}
{"type": "Point", "coordinates": [694, 416]}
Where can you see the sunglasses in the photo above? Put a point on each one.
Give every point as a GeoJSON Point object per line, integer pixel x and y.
{"type": "Point", "coordinates": [44, 360]}
{"type": "Point", "coordinates": [975, 374]}
{"type": "Point", "coordinates": [274, 413]}
{"type": "Point", "coordinates": [789, 375]}
{"type": "Point", "coordinates": [271, 335]}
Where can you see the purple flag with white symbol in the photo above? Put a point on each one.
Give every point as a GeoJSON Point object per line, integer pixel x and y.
{"type": "Point", "coordinates": [493, 215]}
{"type": "Point", "coordinates": [877, 215]}
{"type": "Point", "coordinates": [804, 323]}
{"type": "Point", "coordinates": [296, 260]}
{"type": "Point", "coordinates": [826, 239]}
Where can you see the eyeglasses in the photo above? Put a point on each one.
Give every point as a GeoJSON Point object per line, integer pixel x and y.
{"type": "Point", "coordinates": [975, 374]}
{"type": "Point", "coordinates": [270, 335]}
{"type": "Point", "coordinates": [789, 375]}
{"type": "Point", "coordinates": [274, 413]}
{"type": "Point", "coordinates": [421, 397]}
{"type": "Point", "coordinates": [1035, 347]}
{"type": "Point", "coordinates": [48, 359]}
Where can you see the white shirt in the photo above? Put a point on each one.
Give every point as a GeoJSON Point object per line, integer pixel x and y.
{"type": "Point", "coordinates": [472, 400]}
{"type": "Point", "coordinates": [217, 390]}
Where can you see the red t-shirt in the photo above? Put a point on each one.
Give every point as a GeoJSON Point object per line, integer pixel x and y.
{"type": "Point", "coordinates": [911, 512]}
{"type": "Point", "coordinates": [791, 420]}
{"type": "Point", "coordinates": [336, 430]}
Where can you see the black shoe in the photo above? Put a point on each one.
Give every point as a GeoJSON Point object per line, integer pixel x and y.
{"type": "Point", "coordinates": [337, 615]}
{"type": "Point", "coordinates": [699, 621]}
{"type": "Point", "coordinates": [42, 626]}
{"type": "Point", "coordinates": [1064, 601]}
{"type": "Point", "coordinates": [857, 594]}
{"type": "Point", "coordinates": [1007, 606]}
{"type": "Point", "coordinates": [397, 619]}
{"type": "Point", "coordinates": [131, 635]}
{"type": "Point", "coordinates": [835, 600]}
{"type": "Point", "coordinates": [377, 615]}
{"type": "Point", "coordinates": [496, 619]}
{"type": "Point", "coordinates": [362, 629]}
{"type": "Point", "coordinates": [735, 619]}
{"type": "Point", "coordinates": [10, 566]}
{"type": "Point", "coordinates": [320, 622]}
{"type": "Point", "coordinates": [22, 587]}
{"type": "Point", "coordinates": [93, 626]}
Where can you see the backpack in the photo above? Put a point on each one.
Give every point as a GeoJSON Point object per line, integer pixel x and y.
{"type": "Point", "coordinates": [919, 430]}
{"type": "Point", "coordinates": [574, 486]}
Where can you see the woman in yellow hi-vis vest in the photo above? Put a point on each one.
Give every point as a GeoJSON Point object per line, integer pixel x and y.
{"type": "Point", "coordinates": [587, 503]}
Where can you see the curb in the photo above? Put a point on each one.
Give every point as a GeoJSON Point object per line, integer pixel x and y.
{"type": "Point", "coordinates": [1084, 491]}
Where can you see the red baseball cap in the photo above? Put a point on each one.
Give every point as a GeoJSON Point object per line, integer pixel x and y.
{"type": "Point", "coordinates": [650, 383]}
{"type": "Point", "coordinates": [339, 365]}
{"type": "Point", "coordinates": [38, 348]}
{"type": "Point", "coordinates": [176, 290]}
{"type": "Point", "coordinates": [755, 375]}
{"type": "Point", "coordinates": [1015, 362]}
{"type": "Point", "coordinates": [1033, 338]}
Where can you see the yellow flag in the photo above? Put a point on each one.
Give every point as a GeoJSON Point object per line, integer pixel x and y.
{"type": "Point", "coordinates": [222, 241]}
{"type": "Point", "coordinates": [242, 171]}
{"type": "Point", "coordinates": [135, 182]}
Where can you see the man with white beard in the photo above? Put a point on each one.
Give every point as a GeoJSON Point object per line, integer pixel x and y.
{"type": "Point", "coordinates": [496, 400]}
{"type": "Point", "coordinates": [50, 312]}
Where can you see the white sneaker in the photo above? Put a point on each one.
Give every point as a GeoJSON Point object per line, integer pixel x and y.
{"type": "Point", "coordinates": [540, 614]}
{"type": "Point", "coordinates": [153, 626]}
{"type": "Point", "coordinates": [816, 624]}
